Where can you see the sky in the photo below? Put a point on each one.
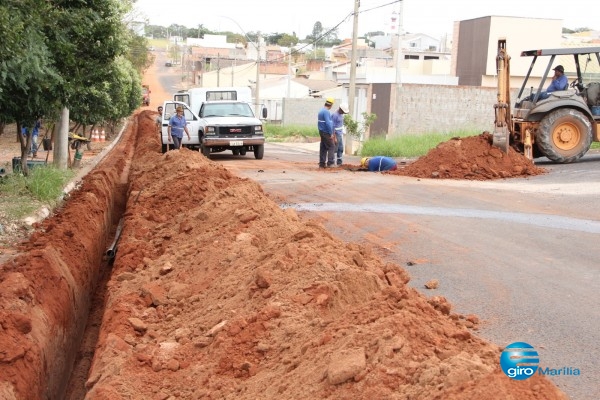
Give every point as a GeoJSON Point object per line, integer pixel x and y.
{"type": "Point", "coordinates": [432, 17]}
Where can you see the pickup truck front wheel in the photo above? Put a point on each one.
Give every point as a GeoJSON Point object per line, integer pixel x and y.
{"type": "Point", "coordinates": [259, 151]}
{"type": "Point", "coordinates": [205, 151]}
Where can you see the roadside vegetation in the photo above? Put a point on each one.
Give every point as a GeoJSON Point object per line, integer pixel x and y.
{"type": "Point", "coordinates": [21, 195]}
{"type": "Point", "coordinates": [408, 146]}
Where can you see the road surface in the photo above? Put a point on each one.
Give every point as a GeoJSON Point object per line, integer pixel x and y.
{"type": "Point", "coordinates": [522, 254]}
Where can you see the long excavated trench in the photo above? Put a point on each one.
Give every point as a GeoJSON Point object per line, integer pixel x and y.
{"type": "Point", "coordinates": [56, 284]}
{"type": "Point", "coordinates": [217, 292]}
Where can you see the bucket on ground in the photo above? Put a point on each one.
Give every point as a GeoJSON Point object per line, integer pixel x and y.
{"type": "Point", "coordinates": [16, 163]}
{"type": "Point", "coordinates": [596, 110]}
{"type": "Point", "coordinates": [47, 144]}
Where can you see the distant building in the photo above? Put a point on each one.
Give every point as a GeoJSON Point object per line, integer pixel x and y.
{"type": "Point", "coordinates": [410, 41]}
{"type": "Point", "coordinates": [475, 45]}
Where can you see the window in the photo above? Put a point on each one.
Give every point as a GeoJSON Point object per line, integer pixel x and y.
{"type": "Point", "coordinates": [221, 95]}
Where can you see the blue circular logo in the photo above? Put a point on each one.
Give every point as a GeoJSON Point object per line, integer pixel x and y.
{"type": "Point", "coordinates": [519, 361]}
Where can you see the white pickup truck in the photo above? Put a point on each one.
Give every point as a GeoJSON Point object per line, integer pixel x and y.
{"type": "Point", "coordinates": [218, 119]}
{"type": "Point", "coordinates": [230, 125]}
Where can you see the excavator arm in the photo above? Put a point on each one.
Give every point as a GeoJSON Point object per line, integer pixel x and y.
{"type": "Point", "coordinates": [502, 121]}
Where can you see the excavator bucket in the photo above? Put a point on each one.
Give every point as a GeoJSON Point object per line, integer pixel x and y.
{"type": "Point", "coordinates": [500, 138]}
{"type": "Point", "coordinates": [501, 134]}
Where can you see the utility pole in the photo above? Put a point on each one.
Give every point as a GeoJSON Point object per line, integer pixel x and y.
{"type": "Point", "coordinates": [233, 69]}
{"type": "Point", "coordinates": [218, 69]}
{"type": "Point", "coordinates": [352, 88]}
{"type": "Point", "coordinates": [257, 94]}
{"type": "Point", "coordinates": [396, 113]}
{"type": "Point", "coordinates": [289, 72]}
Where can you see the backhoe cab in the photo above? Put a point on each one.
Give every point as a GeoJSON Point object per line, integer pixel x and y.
{"type": "Point", "coordinates": [561, 127]}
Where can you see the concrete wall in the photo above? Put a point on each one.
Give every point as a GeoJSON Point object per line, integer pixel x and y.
{"type": "Point", "coordinates": [434, 108]}
{"type": "Point", "coordinates": [422, 109]}
{"type": "Point", "coordinates": [303, 111]}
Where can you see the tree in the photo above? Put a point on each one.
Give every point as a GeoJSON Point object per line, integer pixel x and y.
{"type": "Point", "coordinates": [318, 54]}
{"type": "Point", "coordinates": [317, 31]}
{"type": "Point", "coordinates": [137, 51]}
{"type": "Point", "coordinates": [288, 40]}
{"type": "Point", "coordinates": [84, 37]}
{"type": "Point", "coordinates": [28, 77]}
{"type": "Point", "coordinates": [236, 38]}
{"type": "Point", "coordinates": [272, 38]}
{"type": "Point", "coordinates": [357, 129]}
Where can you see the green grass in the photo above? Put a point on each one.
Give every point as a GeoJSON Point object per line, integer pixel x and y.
{"type": "Point", "coordinates": [21, 195]}
{"type": "Point", "coordinates": [278, 133]}
{"type": "Point", "coordinates": [408, 146]}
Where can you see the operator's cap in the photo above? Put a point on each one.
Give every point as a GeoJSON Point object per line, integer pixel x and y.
{"type": "Point", "coordinates": [364, 161]}
{"type": "Point", "coordinates": [179, 108]}
{"type": "Point", "coordinates": [329, 101]}
{"type": "Point", "coordinates": [344, 107]}
{"type": "Point", "coordinates": [559, 68]}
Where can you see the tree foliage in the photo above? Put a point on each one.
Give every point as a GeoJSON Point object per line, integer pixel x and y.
{"type": "Point", "coordinates": [357, 129]}
{"type": "Point", "coordinates": [287, 40]}
{"type": "Point", "coordinates": [28, 76]}
{"type": "Point", "coordinates": [60, 53]}
{"type": "Point", "coordinates": [323, 36]}
{"type": "Point", "coordinates": [66, 53]}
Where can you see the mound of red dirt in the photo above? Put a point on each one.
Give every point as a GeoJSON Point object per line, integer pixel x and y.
{"type": "Point", "coordinates": [473, 158]}
{"type": "Point", "coordinates": [219, 293]}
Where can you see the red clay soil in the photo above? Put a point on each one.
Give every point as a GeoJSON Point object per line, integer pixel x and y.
{"type": "Point", "coordinates": [472, 158]}
{"type": "Point", "coordinates": [216, 292]}
{"type": "Point", "coordinates": [45, 289]}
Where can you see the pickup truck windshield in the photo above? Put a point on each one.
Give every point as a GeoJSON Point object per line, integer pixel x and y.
{"type": "Point", "coordinates": [226, 110]}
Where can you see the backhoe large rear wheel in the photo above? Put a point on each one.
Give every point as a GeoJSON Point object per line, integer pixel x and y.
{"type": "Point", "coordinates": [564, 135]}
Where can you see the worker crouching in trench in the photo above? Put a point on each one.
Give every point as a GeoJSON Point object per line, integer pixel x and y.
{"type": "Point", "coordinates": [378, 164]}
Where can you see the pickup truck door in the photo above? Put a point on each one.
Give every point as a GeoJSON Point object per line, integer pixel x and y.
{"type": "Point", "coordinates": [191, 119]}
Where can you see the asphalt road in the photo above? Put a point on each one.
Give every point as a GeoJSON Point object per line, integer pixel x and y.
{"type": "Point", "coordinates": [522, 254]}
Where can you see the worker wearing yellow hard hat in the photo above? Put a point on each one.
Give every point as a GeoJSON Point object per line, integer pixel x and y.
{"type": "Point", "coordinates": [378, 164]}
{"type": "Point", "coordinates": [327, 148]}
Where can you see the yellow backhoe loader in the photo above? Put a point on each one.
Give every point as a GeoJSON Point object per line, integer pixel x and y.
{"type": "Point", "coordinates": [560, 127]}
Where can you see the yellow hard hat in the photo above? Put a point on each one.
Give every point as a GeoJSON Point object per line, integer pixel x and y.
{"type": "Point", "coordinates": [364, 161]}
{"type": "Point", "coordinates": [329, 100]}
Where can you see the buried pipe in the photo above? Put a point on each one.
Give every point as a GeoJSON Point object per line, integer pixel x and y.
{"type": "Point", "coordinates": [112, 249]}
